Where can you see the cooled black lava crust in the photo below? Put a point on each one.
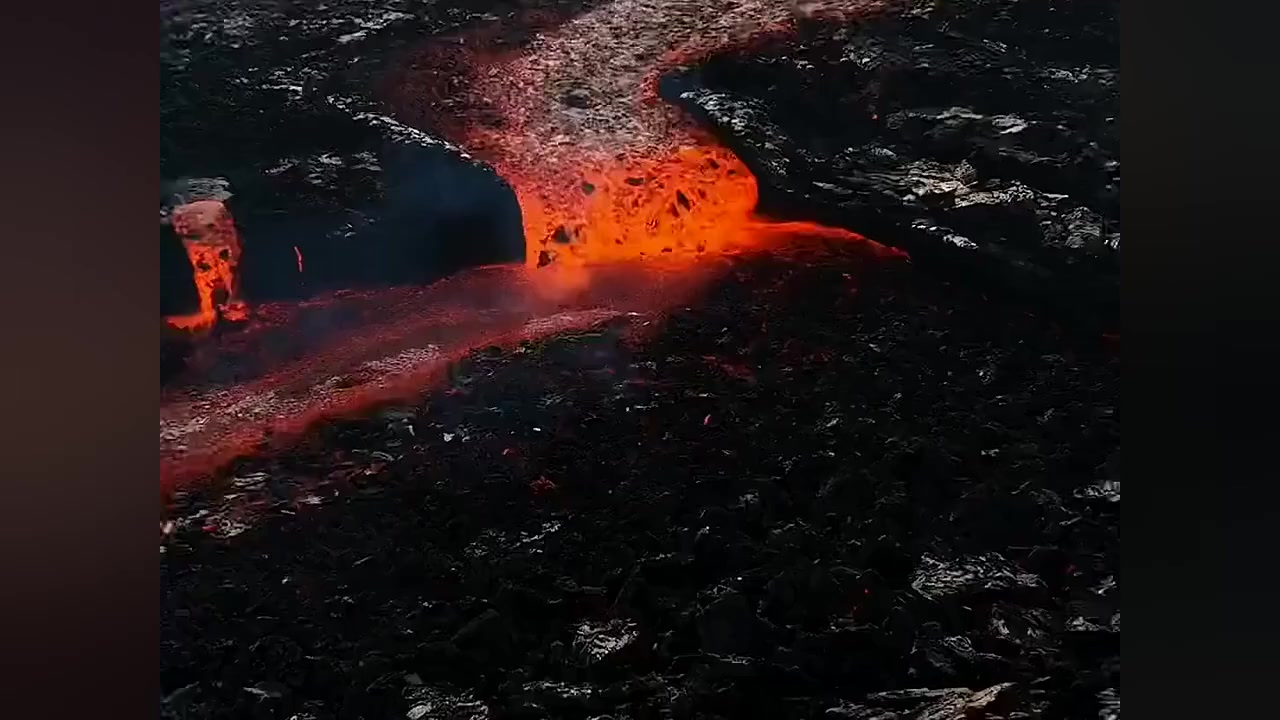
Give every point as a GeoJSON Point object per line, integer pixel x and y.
{"type": "Point", "coordinates": [832, 478]}
{"type": "Point", "coordinates": [835, 487]}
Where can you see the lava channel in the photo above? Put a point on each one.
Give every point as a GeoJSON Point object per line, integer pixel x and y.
{"type": "Point", "coordinates": [623, 197]}
{"type": "Point", "coordinates": [293, 364]}
{"type": "Point", "coordinates": [603, 169]}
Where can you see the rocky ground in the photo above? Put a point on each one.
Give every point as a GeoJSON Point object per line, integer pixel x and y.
{"type": "Point", "coordinates": [835, 487]}
{"type": "Point", "coordinates": [979, 136]}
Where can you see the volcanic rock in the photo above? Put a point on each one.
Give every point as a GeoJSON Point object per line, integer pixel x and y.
{"type": "Point", "coordinates": [610, 641]}
{"type": "Point", "coordinates": [895, 483]}
{"type": "Point", "coordinates": [924, 704]}
{"type": "Point", "coordinates": [442, 703]}
{"type": "Point", "coordinates": [966, 577]}
{"type": "Point", "coordinates": [557, 699]}
{"type": "Point", "coordinates": [486, 638]}
{"type": "Point", "coordinates": [827, 600]}
{"type": "Point", "coordinates": [959, 136]}
{"type": "Point", "coordinates": [1109, 700]}
{"type": "Point", "coordinates": [276, 102]}
{"type": "Point", "coordinates": [728, 626]}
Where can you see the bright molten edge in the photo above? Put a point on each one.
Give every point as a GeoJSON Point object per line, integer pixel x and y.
{"type": "Point", "coordinates": [213, 246]}
{"type": "Point", "coordinates": [604, 170]}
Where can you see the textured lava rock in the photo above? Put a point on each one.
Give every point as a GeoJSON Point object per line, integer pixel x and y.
{"type": "Point", "coordinates": [953, 130]}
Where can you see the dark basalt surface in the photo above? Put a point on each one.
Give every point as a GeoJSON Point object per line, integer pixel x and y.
{"type": "Point", "coordinates": [979, 136]}
{"type": "Point", "coordinates": [834, 488]}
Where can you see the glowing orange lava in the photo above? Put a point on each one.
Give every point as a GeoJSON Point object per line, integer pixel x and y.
{"type": "Point", "coordinates": [603, 169]}
{"type": "Point", "coordinates": [693, 201]}
{"type": "Point", "coordinates": [400, 341]}
{"type": "Point", "coordinates": [209, 235]}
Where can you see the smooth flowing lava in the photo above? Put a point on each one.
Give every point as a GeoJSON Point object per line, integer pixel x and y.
{"type": "Point", "coordinates": [623, 197]}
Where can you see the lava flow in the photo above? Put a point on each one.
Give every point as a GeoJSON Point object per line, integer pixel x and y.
{"type": "Point", "coordinates": [621, 194]}
{"type": "Point", "coordinates": [297, 363]}
{"type": "Point", "coordinates": [213, 246]}
{"type": "Point", "coordinates": [602, 168]}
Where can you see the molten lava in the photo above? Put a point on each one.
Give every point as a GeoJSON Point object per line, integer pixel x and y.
{"type": "Point", "coordinates": [626, 201]}
{"type": "Point", "coordinates": [209, 235]}
{"type": "Point", "coordinates": [602, 168]}
{"type": "Point", "coordinates": [692, 201]}
{"type": "Point", "coordinates": [299, 362]}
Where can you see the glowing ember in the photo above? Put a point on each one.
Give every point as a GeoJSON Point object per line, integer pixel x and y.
{"type": "Point", "coordinates": [213, 246]}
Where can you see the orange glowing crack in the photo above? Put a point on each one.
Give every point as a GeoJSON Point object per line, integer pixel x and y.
{"type": "Point", "coordinates": [298, 254]}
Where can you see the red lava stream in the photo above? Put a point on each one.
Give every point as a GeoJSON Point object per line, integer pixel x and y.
{"type": "Point", "coordinates": [626, 198]}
